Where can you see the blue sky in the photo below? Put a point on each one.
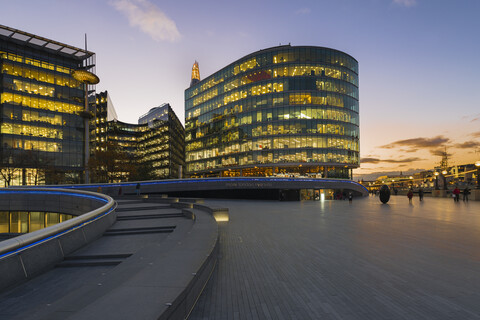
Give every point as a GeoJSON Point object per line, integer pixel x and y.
{"type": "Point", "coordinates": [418, 59]}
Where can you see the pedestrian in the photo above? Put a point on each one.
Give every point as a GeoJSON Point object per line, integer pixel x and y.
{"type": "Point", "coordinates": [420, 194]}
{"type": "Point", "coordinates": [137, 187]}
{"type": "Point", "coordinates": [120, 191]}
{"type": "Point", "coordinates": [99, 189]}
{"type": "Point", "coordinates": [410, 195]}
{"type": "Point", "coordinates": [466, 192]}
{"type": "Point", "coordinates": [456, 193]}
{"type": "Point", "coordinates": [350, 197]}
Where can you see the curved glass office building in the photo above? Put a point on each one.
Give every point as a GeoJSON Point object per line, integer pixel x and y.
{"type": "Point", "coordinates": [281, 111]}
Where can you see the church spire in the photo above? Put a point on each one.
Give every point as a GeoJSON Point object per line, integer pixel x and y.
{"type": "Point", "coordinates": [195, 74]}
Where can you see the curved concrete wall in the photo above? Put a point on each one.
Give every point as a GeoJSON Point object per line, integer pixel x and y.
{"type": "Point", "coordinates": [30, 254]}
{"type": "Point", "coordinates": [174, 185]}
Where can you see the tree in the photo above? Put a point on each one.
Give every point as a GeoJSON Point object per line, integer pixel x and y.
{"type": "Point", "coordinates": [143, 171]}
{"type": "Point", "coordinates": [110, 163]}
{"type": "Point", "coordinates": [39, 163]}
{"type": "Point", "coordinates": [11, 164]}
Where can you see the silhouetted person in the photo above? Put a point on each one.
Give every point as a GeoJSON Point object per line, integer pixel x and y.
{"type": "Point", "coordinates": [456, 193]}
{"type": "Point", "coordinates": [350, 197]}
{"type": "Point", "coordinates": [466, 192]}
{"type": "Point", "coordinates": [420, 194]}
{"type": "Point", "coordinates": [410, 195]}
{"type": "Point", "coordinates": [137, 187]}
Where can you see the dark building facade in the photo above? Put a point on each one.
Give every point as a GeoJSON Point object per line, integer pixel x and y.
{"type": "Point", "coordinates": [279, 111]}
{"type": "Point", "coordinates": [152, 149]}
{"type": "Point", "coordinates": [104, 113]}
{"type": "Point", "coordinates": [42, 129]}
{"type": "Point", "coordinates": [162, 146]}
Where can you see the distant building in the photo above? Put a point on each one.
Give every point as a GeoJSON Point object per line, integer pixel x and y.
{"type": "Point", "coordinates": [125, 138]}
{"type": "Point", "coordinates": [42, 129]}
{"type": "Point", "coordinates": [104, 113]}
{"type": "Point", "coordinates": [195, 74]}
{"type": "Point", "coordinates": [162, 146]}
{"type": "Point", "coordinates": [281, 111]}
{"type": "Point", "coordinates": [156, 144]}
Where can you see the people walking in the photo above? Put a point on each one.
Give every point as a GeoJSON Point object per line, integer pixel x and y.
{"type": "Point", "coordinates": [456, 193]}
{"type": "Point", "coordinates": [466, 192]}
{"type": "Point", "coordinates": [350, 197]}
{"type": "Point", "coordinates": [420, 194]}
{"type": "Point", "coordinates": [410, 195]}
{"type": "Point", "coordinates": [137, 188]}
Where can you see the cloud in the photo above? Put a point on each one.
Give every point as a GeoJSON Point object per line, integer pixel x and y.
{"type": "Point", "coordinates": [409, 150]}
{"type": "Point", "coordinates": [148, 18]}
{"type": "Point", "coordinates": [471, 118]}
{"type": "Point", "coordinates": [475, 134]}
{"type": "Point", "coordinates": [377, 160]}
{"type": "Point", "coordinates": [440, 152]}
{"type": "Point", "coordinates": [418, 143]}
{"type": "Point", "coordinates": [303, 11]}
{"type": "Point", "coordinates": [369, 160]}
{"type": "Point", "coordinates": [405, 3]}
{"type": "Point", "coordinates": [467, 145]}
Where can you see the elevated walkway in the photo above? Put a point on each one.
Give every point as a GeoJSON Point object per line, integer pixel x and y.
{"type": "Point", "coordinates": [229, 188]}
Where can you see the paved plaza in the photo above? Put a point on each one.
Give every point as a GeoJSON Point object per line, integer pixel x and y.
{"type": "Point", "coordinates": [336, 260]}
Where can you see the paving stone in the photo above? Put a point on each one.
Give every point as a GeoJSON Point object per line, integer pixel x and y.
{"type": "Point", "coordinates": [336, 260]}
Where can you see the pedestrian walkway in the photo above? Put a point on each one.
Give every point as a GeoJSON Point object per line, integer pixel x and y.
{"type": "Point", "coordinates": [335, 260]}
{"type": "Point", "coordinates": [139, 269]}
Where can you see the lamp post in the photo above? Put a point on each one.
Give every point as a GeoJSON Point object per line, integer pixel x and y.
{"type": "Point", "coordinates": [477, 164]}
{"type": "Point", "coordinates": [444, 175]}
{"type": "Point", "coordinates": [87, 78]}
{"type": "Point", "coordinates": [436, 179]}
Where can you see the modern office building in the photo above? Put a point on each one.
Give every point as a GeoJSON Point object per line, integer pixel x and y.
{"type": "Point", "coordinates": [152, 149]}
{"type": "Point", "coordinates": [162, 146]}
{"type": "Point", "coordinates": [119, 152]}
{"type": "Point", "coordinates": [155, 114]}
{"type": "Point", "coordinates": [104, 113]}
{"type": "Point", "coordinates": [280, 111]}
{"type": "Point", "coordinates": [42, 107]}
{"type": "Point", "coordinates": [195, 74]}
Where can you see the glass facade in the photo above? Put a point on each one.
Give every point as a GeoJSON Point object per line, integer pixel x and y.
{"type": "Point", "coordinates": [29, 221]}
{"type": "Point", "coordinates": [162, 147]}
{"type": "Point", "coordinates": [155, 146]}
{"type": "Point", "coordinates": [104, 112]}
{"type": "Point", "coordinates": [42, 130]}
{"type": "Point", "coordinates": [279, 111]}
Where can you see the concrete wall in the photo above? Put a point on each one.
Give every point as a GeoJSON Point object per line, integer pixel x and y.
{"type": "Point", "coordinates": [30, 254]}
{"type": "Point", "coordinates": [179, 185]}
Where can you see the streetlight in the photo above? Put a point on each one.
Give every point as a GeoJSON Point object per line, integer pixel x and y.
{"type": "Point", "coordinates": [87, 78]}
{"type": "Point", "coordinates": [477, 164]}
{"type": "Point", "coordinates": [436, 179]}
{"type": "Point", "coordinates": [444, 173]}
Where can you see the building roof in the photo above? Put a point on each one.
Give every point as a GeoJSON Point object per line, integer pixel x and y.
{"type": "Point", "coordinates": [43, 43]}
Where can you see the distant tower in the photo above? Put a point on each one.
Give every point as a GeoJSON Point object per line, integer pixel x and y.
{"type": "Point", "coordinates": [195, 74]}
{"type": "Point", "coordinates": [444, 162]}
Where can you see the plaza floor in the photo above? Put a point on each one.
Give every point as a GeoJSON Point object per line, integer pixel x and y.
{"type": "Point", "coordinates": [341, 260]}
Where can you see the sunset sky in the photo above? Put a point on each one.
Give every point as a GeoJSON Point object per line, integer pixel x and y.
{"type": "Point", "coordinates": [418, 59]}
